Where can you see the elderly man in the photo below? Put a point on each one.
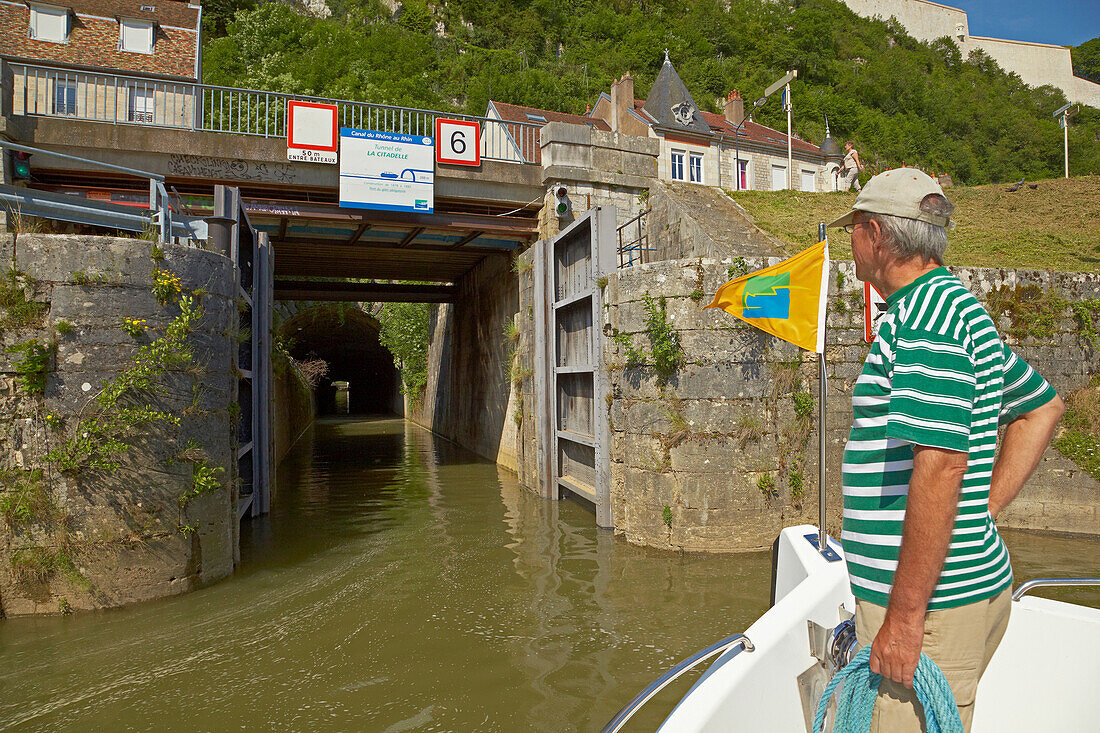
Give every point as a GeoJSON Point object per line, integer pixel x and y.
{"type": "Point", "coordinates": [921, 485]}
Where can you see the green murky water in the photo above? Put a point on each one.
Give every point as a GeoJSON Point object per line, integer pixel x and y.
{"type": "Point", "coordinates": [402, 584]}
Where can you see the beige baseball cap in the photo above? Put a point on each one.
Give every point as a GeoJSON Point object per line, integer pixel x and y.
{"type": "Point", "coordinates": [897, 192]}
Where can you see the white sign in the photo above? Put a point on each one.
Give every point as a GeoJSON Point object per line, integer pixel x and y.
{"type": "Point", "coordinates": [874, 308]}
{"type": "Point", "coordinates": [387, 171]}
{"type": "Point", "coordinates": [311, 156]}
{"type": "Point", "coordinates": [458, 142]}
{"type": "Point", "coordinates": [311, 135]}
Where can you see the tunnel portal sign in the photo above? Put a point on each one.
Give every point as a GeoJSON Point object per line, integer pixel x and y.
{"type": "Point", "coordinates": [387, 171]}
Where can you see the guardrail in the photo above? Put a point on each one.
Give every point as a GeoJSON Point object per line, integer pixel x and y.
{"type": "Point", "coordinates": [120, 99]}
{"type": "Point", "coordinates": [161, 213]}
{"type": "Point", "coordinates": [634, 251]}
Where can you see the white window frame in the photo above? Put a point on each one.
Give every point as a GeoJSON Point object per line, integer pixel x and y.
{"type": "Point", "coordinates": [695, 167]}
{"type": "Point", "coordinates": [676, 165]}
{"type": "Point", "coordinates": [62, 105]}
{"type": "Point", "coordinates": [39, 11]}
{"type": "Point", "coordinates": [136, 24]}
{"type": "Point", "coordinates": [744, 184]}
{"type": "Point", "coordinates": [141, 104]}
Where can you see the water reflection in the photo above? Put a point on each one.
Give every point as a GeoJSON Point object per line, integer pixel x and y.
{"type": "Point", "coordinates": [401, 584]}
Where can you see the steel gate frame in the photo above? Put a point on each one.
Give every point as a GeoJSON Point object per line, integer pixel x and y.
{"type": "Point", "coordinates": [554, 298]}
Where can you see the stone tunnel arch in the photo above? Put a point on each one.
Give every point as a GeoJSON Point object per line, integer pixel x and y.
{"type": "Point", "coordinates": [346, 338]}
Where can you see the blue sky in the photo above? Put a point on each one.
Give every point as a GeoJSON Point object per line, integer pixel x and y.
{"type": "Point", "coordinates": [1061, 22]}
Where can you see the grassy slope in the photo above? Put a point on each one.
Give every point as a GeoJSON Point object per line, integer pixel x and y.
{"type": "Point", "coordinates": [1055, 227]}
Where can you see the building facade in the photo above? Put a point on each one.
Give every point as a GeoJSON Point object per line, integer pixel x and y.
{"type": "Point", "coordinates": [60, 53]}
{"type": "Point", "coordinates": [726, 150]}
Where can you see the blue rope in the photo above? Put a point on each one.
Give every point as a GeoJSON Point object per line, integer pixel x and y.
{"type": "Point", "coordinates": [856, 701]}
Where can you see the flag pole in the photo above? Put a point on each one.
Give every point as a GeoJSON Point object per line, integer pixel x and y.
{"type": "Point", "coordinates": [822, 541]}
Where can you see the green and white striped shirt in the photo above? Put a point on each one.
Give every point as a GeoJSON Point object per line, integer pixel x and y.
{"type": "Point", "coordinates": [938, 375]}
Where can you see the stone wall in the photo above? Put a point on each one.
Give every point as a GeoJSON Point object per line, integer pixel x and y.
{"type": "Point", "coordinates": [723, 453]}
{"type": "Point", "coordinates": [162, 521]}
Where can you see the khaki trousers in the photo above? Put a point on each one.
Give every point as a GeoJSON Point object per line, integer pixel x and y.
{"type": "Point", "coordinates": [848, 179]}
{"type": "Point", "coordinates": [960, 640]}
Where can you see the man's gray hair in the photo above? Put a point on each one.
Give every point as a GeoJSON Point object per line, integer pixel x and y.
{"type": "Point", "coordinates": [908, 238]}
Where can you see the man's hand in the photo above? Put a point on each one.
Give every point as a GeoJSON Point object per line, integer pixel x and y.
{"type": "Point", "coordinates": [896, 648]}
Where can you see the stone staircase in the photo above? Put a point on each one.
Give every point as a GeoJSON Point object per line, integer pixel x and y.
{"type": "Point", "coordinates": [688, 220]}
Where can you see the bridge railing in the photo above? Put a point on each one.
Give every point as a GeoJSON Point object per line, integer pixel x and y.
{"type": "Point", "coordinates": [53, 91]}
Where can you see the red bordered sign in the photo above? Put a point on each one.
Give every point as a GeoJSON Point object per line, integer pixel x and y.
{"type": "Point", "coordinates": [457, 142]}
{"type": "Point", "coordinates": [312, 126]}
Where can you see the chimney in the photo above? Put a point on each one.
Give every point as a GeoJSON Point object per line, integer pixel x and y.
{"type": "Point", "coordinates": [734, 108]}
{"type": "Point", "coordinates": [622, 100]}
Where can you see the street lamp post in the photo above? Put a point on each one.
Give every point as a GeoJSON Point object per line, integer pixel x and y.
{"type": "Point", "coordinates": [737, 143]}
{"type": "Point", "coordinates": [784, 83]}
{"type": "Point", "coordinates": [1065, 112]}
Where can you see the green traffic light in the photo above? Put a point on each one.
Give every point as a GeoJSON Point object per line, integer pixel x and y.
{"type": "Point", "coordinates": [22, 170]}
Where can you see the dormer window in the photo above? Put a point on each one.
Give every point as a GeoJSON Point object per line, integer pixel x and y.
{"type": "Point", "coordinates": [135, 36]}
{"type": "Point", "coordinates": [49, 23]}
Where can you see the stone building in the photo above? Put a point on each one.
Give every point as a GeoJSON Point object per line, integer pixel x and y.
{"type": "Point", "coordinates": [57, 48]}
{"type": "Point", "coordinates": [725, 150]}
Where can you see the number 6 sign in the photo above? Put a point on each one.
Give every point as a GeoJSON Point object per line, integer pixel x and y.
{"type": "Point", "coordinates": [457, 142]}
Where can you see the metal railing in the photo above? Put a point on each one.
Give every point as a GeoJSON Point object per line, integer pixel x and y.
{"type": "Point", "coordinates": [53, 91]}
{"type": "Point", "coordinates": [658, 684]}
{"type": "Point", "coordinates": [635, 251]}
{"type": "Point", "coordinates": [170, 225]}
{"type": "Point", "coordinates": [1027, 586]}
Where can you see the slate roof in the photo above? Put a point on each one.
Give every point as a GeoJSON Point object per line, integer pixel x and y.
{"type": "Point", "coordinates": [530, 146]}
{"type": "Point", "coordinates": [668, 94]}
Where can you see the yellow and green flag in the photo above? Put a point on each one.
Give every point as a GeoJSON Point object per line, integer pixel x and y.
{"type": "Point", "coordinates": [786, 300]}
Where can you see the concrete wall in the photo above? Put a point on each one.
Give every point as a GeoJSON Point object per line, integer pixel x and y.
{"type": "Point", "coordinates": [709, 440]}
{"type": "Point", "coordinates": [468, 393]}
{"type": "Point", "coordinates": [108, 537]}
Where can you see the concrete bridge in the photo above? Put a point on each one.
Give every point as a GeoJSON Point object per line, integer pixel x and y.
{"type": "Point", "coordinates": [490, 209]}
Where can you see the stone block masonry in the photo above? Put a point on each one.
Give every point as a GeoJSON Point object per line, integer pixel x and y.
{"type": "Point", "coordinates": [722, 453]}
{"type": "Point", "coordinates": [162, 519]}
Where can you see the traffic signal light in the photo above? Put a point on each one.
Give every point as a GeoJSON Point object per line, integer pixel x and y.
{"type": "Point", "coordinates": [20, 165]}
{"type": "Point", "coordinates": [562, 205]}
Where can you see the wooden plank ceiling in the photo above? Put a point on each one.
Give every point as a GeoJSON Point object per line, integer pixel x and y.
{"type": "Point", "coordinates": [324, 240]}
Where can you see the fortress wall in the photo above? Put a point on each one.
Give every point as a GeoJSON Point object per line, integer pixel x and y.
{"type": "Point", "coordinates": [1036, 64]}
{"type": "Point", "coordinates": [925, 21]}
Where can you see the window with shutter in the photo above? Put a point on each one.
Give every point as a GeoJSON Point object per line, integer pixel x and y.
{"type": "Point", "coordinates": [135, 35]}
{"type": "Point", "coordinates": [49, 23]}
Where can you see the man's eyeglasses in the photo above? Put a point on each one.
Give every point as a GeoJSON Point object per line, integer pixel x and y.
{"type": "Point", "coordinates": [852, 227]}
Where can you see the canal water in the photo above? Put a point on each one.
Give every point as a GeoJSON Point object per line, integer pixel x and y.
{"type": "Point", "coordinates": [403, 584]}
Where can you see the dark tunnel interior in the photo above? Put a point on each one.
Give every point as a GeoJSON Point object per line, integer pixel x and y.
{"type": "Point", "coordinates": [346, 338]}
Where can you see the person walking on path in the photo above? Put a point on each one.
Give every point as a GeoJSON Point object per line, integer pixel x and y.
{"type": "Point", "coordinates": [851, 168]}
{"type": "Point", "coordinates": [921, 486]}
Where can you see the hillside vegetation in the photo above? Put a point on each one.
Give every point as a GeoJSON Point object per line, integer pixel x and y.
{"type": "Point", "coordinates": [1053, 227]}
{"type": "Point", "coordinates": [899, 99]}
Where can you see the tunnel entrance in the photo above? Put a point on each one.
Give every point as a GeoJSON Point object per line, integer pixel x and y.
{"type": "Point", "coordinates": [346, 338]}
